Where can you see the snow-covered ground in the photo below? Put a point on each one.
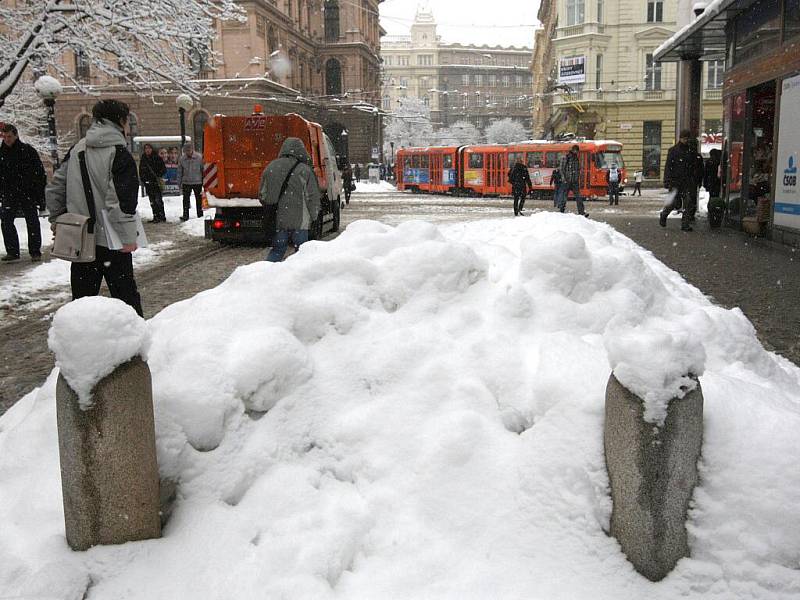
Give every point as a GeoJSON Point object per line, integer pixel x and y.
{"type": "Point", "coordinates": [49, 282]}
{"type": "Point", "coordinates": [416, 412]}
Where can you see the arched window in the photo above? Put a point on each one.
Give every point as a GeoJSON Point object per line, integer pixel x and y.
{"type": "Point", "coordinates": [331, 20]}
{"type": "Point", "coordinates": [333, 77]}
{"type": "Point", "coordinates": [83, 125]}
{"type": "Point", "coordinates": [198, 127]}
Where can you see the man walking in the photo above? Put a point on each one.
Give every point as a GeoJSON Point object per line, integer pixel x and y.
{"type": "Point", "coordinates": [151, 170]}
{"type": "Point", "coordinates": [347, 181]}
{"type": "Point", "coordinates": [637, 183]}
{"type": "Point", "coordinates": [612, 178]}
{"type": "Point", "coordinates": [520, 181]}
{"type": "Point", "coordinates": [290, 184]}
{"type": "Point", "coordinates": [190, 179]}
{"type": "Point", "coordinates": [680, 175]}
{"type": "Point", "coordinates": [101, 160]}
{"type": "Point", "coordinates": [570, 169]}
{"type": "Point", "coordinates": [22, 181]}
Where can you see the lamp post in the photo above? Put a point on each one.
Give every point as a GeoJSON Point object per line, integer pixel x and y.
{"type": "Point", "coordinates": [391, 162]}
{"type": "Point", "coordinates": [345, 149]}
{"type": "Point", "coordinates": [49, 88]}
{"type": "Point", "coordinates": [184, 102]}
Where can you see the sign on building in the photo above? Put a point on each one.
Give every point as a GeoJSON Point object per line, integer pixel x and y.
{"type": "Point", "coordinates": [787, 194]}
{"type": "Point", "coordinates": [572, 70]}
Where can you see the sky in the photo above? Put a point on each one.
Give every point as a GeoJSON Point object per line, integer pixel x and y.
{"type": "Point", "coordinates": [502, 22]}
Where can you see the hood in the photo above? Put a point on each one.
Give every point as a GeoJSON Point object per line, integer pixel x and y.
{"type": "Point", "coordinates": [294, 148]}
{"type": "Point", "coordinates": [103, 134]}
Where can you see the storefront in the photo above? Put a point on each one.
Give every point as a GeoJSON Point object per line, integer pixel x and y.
{"type": "Point", "coordinates": [760, 43]}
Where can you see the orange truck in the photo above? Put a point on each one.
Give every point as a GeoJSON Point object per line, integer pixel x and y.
{"type": "Point", "coordinates": [236, 151]}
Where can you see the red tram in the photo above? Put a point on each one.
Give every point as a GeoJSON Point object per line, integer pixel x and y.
{"type": "Point", "coordinates": [483, 170]}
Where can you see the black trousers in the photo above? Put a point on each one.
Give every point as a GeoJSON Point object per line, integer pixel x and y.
{"type": "Point", "coordinates": [7, 215]}
{"type": "Point", "coordinates": [187, 192]}
{"type": "Point", "coordinates": [116, 268]}
{"type": "Point", "coordinates": [687, 198]}
{"type": "Point", "coordinates": [156, 201]}
{"type": "Point", "coordinates": [613, 193]}
{"type": "Point", "coordinates": [637, 187]}
{"type": "Point", "coordinates": [519, 198]}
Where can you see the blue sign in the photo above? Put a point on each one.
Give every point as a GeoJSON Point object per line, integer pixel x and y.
{"type": "Point", "coordinates": [449, 176]}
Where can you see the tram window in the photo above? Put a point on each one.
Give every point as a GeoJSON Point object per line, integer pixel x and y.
{"type": "Point", "coordinates": [535, 159]}
{"type": "Point", "coordinates": [415, 161]}
{"type": "Point", "coordinates": [551, 160]}
{"type": "Point", "coordinates": [513, 157]}
{"type": "Point", "coordinates": [407, 162]}
{"type": "Point", "coordinates": [476, 161]}
{"type": "Point", "coordinates": [423, 161]}
{"type": "Point", "coordinates": [447, 161]}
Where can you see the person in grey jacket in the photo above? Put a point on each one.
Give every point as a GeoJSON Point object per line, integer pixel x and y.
{"type": "Point", "coordinates": [115, 187]}
{"type": "Point", "coordinates": [190, 179]}
{"type": "Point", "coordinates": [299, 203]}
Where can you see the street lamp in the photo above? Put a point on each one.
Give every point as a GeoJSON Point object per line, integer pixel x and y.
{"type": "Point", "coordinates": [391, 162]}
{"type": "Point", "coordinates": [49, 88]}
{"type": "Point", "coordinates": [184, 102]}
{"type": "Point", "coordinates": [345, 150]}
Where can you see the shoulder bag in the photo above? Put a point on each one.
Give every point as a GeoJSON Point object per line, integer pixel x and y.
{"type": "Point", "coordinates": [75, 234]}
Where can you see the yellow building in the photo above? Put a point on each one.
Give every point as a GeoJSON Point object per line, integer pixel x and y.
{"type": "Point", "coordinates": [607, 85]}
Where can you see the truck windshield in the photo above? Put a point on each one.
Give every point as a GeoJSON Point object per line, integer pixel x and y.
{"type": "Point", "coordinates": [604, 160]}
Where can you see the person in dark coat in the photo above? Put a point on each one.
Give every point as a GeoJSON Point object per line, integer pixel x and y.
{"type": "Point", "coordinates": [713, 184]}
{"type": "Point", "coordinates": [347, 181]}
{"type": "Point", "coordinates": [357, 172]}
{"type": "Point", "coordinates": [22, 183]}
{"type": "Point", "coordinates": [613, 176]}
{"type": "Point", "coordinates": [682, 176]}
{"type": "Point", "coordinates": [151, 170]}
{"type": "Point", "coordinates": [520, 181]}
{"type": "Point", "coordinates": [570, 168]}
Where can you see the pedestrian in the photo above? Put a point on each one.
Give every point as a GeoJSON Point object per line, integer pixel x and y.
{"type": "Point", "coordinates": [190, 179]}
{"type": "Point", "coordinates": [290, 185]}
{"type": "Point", "coordinates": [357, 172]}
{"type": "Point", "coordinates": [555, 182]}
{"type": "Point", "coordinates": [570, 177]}
{"type": "Point", "coordinates": [713, 185]}
{"type": "Point", "coordinates": [22, 182]}
{"type": "Point", "coordinates": [612, 179]}
{"type": "Point", "coordinates": [111, 173]}
{"type": "Point", "coordinates": [151, 171]}
{"type": "Point", "coordinates": [638, 177]}
{"type": "Point", "coordinates": [680, 176]}
{"type": "Point", "coordinates": [520, 181]}
{"type": "Point", "coordinates": [382, 171]}
{"type": "Point", "coordinates": [697, 177]}
{"type": "Point", "coordinates": [347, 182]}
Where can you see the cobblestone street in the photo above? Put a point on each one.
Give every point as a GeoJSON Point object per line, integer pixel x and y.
{"type": "Point", "coordinates": [733, 269]}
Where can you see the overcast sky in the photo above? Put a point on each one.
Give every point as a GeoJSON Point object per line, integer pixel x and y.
{"type": "Point", "coordinates": [504, 22]}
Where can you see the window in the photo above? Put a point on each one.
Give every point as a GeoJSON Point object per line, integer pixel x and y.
{"type": "Point", "coordinates": [272, 40]}
{"type": "Point", "coordinates": [476, 161]}
{"type": "Point", "coordinates": [598, 72]}
{"type": "Point", "coordinates": [492, 80]}
{"type": "Point", "coordinates": [82, 71]}
{"type": "Point", "coordinates": [655, 11]}
{"type": "Point", "coordinates": [261, 25]}
{"type": "Point", "coordinates": [415, 161]}
{"type": "Point", "coordinates": [535, 160]}
{"type": "Point", "coordinates": [425, 60]}
{"type": "Point", "coordinates": [478, 79]}
{"type": "Point", "coordinates": [333, 77]}
{"type": "Point", "coordinates": [651, 149]}
{"type": "Point", "coordinates": [331, 20]}
{"type": "Point", "coordinates": [575, 12]}
{"type": "Point", "coordinates": [423, 161]}
{"type": "Point", "coordinates": [551, 160]}
{"type": "Point", "coordinates": [713, 126]}
{"type": "Point", "coordinates": [402, 61]}
{"type": "Point", "coordinates": [513, 156]}
{"type": "Point", "coordinates": [506, 81]}
{"type": "Point", "coordinates": [465, 79]}
{"type": "Point", "coordinates": [652, 74]}
{"type": "Point", "coordinates": [599, 11]}
{"type": "Point", "coordinates": [199, 127]}
{"type": "Point", "coordinates": [447, 161]}
{"type": "Point", "coordinates": [404, 82]}
{"type": "Point", "coordinates": [716, 73]}
{"type": "Point", "coordinates": [389, 60]}
{"type": "Point", "coordinates": [757, 29]}
{"type": "Point", "coordinates": [518, 80]}
{"type": "Point", "coordinates": [387, 103]}
{"type": "Point", "coordinates": [289, 8]}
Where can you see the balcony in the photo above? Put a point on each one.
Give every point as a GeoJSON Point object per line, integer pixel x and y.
{"type": "Point", "coordinates": [713, 94]}
{"type": "Point", "coordinates": [603, 96]}
{"type": "Point", "coordinates": [580, 29]}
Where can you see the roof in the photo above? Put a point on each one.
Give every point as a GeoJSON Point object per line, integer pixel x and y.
{"type": "Point", "coordinates": [705, 36]}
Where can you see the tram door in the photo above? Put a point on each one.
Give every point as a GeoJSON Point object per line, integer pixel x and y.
{"type": "Point", "coordinates": [493, 169]}
{"type": "Point", "coordinates": [436, 172]}
{"type": "Point", "coordinates": [586, 170]}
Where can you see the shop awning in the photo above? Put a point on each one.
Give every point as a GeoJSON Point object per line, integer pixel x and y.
{"type": "Point", "coordinates": [704, 37]}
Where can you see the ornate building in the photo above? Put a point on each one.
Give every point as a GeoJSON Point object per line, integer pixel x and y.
{"type": "Point", "coordinates": [318, 58]}
{"type": "Point", "coordinates": [543, 67]}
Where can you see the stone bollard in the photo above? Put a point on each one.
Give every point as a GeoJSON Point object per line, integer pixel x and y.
{"type": "Point", "coordinates": [653, 471]}
{"type": "Point", "coordinates": [109, 472]}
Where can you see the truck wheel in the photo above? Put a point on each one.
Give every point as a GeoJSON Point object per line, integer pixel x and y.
{"type": "Point", "coordinates": [337, 215]}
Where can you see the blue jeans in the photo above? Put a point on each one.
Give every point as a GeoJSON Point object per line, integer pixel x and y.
{"type": "Point", "coordinates": [563, 193]}
{"type": "Point", "coordinates": [281, 241]}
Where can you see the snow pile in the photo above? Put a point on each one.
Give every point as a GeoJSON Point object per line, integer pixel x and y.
{"type": "Point", "coordinates": [91, 337]}
{"type": "Point", "coordinates": [382, 187]}
{"type": "Point", "coordinates": [434, 412]}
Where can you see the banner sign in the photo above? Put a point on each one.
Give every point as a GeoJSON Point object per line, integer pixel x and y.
{"type": "Point", "coordinates": [572, 70]}
{"type": "Point", "coordinates": [787, 194]}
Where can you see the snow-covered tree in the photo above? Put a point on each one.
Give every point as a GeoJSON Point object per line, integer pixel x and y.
{"type": "Point", "coordinates": [505, 131]}
{"type": "Point", "coordinates": [459, 133]}
{"type": "Point", "coordinates": [152, 45]}
{"type": "Point", "coordinates": [409, 125]}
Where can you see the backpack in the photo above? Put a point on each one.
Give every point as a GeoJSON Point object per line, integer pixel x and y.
{"type": "Point", "coordinates": [613, 175]}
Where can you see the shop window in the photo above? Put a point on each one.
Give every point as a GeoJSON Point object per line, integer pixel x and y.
{"type": "Point", "coordinates": [791, 19]}
{"type": "Point", "coordinates": [331, 20]}
{"type": "Point", "coordinates": [652, 73]}
{"type": "Point", "coordinates": [757, 29]}
{"type": "Point", "coordinates": [575, 12]}
{"type": "Point", "coordinates": [716, 74]}
{"type": "Point", "coordinates": [476, 161]}
{"type": "Point", "coordinates": [655, 11]}
{"type": "Point", "coordinates": [651, 149]}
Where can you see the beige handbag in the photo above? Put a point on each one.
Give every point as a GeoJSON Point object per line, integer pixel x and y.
{"type": "Point", "coordinates": [74, 234]}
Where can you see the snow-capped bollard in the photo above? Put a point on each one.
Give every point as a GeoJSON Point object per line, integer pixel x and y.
{"type": "Point", "coordinates": [653, 470]}
{"type": "Point", "coordinates": [106, 429]}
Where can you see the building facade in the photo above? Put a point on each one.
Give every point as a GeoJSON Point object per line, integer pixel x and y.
{"type": "Point", "coordinates": [456, 82]}
{"type": "Point", "coordinates": [609, 85]}
{"type": "Point", "coordinates": [543, 68]}
{"type": "Point", "coordinates": [319, 58]}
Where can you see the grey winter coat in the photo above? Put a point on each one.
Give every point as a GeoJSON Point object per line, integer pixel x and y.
{"type": "Point", "coordinates": [190, 169]}
{"type": "Point", "coordinates": [300, 203]}
{"type": "Point", "coordinates": [114, 180]}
